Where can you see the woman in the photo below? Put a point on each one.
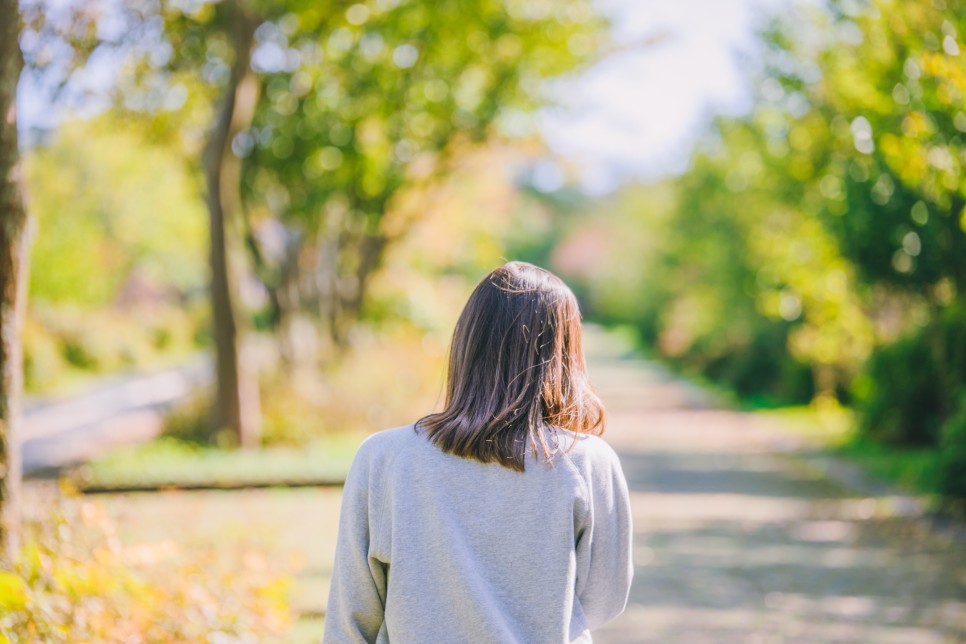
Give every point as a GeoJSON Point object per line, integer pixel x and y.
{"type": "Point", "coordinates": [504, 518]}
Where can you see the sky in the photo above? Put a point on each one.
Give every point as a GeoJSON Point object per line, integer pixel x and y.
{"type": "Point", "coordinates": [637, 114]}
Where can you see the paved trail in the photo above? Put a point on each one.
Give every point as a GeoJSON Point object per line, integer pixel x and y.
{"type": "Point", "coordinates": [118, 410]}
{"type": "Point", "coordinates": [734, 543]}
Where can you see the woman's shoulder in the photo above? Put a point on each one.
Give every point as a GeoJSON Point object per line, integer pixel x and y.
{"type": "Point", "coordinates": [388, 441]}
{"type": "Point", "coordinates": [375, 456]}
{"type": "Point", "coordinates": [589, 453]}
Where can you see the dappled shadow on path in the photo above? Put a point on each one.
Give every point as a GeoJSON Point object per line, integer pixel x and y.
{"type": "Point", "coordinates": [721, 474]}
{"type": "Point", "coordinates": [736, 541]}
{"type": "Point", "coordinates": [821, 579]}
{"type": "Point", "coordinates": [729, 550]}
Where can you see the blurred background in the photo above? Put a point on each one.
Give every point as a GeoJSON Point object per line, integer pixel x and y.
{"type": "Point", "coordinates": [251, 226]}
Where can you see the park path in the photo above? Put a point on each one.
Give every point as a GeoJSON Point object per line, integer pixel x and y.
{"type": "Point", "coordinates": [117, 410]}
{"type": "Point", "coordinates": [738, 540]}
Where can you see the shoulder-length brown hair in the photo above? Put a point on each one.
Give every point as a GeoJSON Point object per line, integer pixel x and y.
{"type": "Point", "coordinates": [516, 371]}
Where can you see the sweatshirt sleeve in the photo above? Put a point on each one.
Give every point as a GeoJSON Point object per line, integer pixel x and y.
{"type": "Point", "coordinates": [604, 544]}
{"type": "Point", "coordinates": [357, 595]}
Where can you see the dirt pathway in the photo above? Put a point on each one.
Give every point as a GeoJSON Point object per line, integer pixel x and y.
{"type": "Point", "coordinates": [734, 543]}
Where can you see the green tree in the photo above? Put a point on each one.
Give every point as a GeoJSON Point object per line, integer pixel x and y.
{"type": "Point", "coordinates": [383, 97]}
{"type": "Point", "coordinates": [878, 149]}
{"type": "Point", "coordinates": [326, 113]}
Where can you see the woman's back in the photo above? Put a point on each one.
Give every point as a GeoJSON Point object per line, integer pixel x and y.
{"type": "Point", "coordinates": [454, 550]}
{"type": "Point", "coordinates": [503, 517]}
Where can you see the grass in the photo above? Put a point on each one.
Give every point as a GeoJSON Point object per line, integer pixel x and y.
{"type": "Point", "coordinates": [824, 427]}
{"type": "Point", "coordinates": [912, 469]}
{"type": "Point", "coordinates": [171, 463]}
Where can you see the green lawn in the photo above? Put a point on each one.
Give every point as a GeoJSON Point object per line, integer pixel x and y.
{"type": "Point", "coordinates": [171, 463]}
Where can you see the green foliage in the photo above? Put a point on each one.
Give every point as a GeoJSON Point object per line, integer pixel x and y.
{"type": "Point", "coordinates": [360, 106]}
{"type": "Point", "coordinates": [761, 372]}
{"type": "Point", "coordinates": [384, 89]}
{"type": "Point", "coordinates": [912, 387]}
{"type": "Point", "coordinates": [171, 463]}
{"type": "Point", "coordinates": [899, 397]}
{"type": "Point", "coordinates": [64, 344]}
{"type": "Point", "coordinates": [913, 469]}
{"type": "Point", "coordinates": [190, 421]}
{"type": "Point", "coordinates": [76, 581]}
{"type": "Point", "coordinates": [877, 157]}
{"type": "Point", "coordinates": [116, 219]}
{"type": "Point", "coordinates": [952, 461]}
{"type": "Point", "coordinates": [841, 86]}
{"type": "Point", "coordinates": [679, 262]}
{"type": "Point", "coordinates": [119, 255]}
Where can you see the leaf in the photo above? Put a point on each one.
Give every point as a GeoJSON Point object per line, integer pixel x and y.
{"type": "Point", "coordinates": [13, 592]}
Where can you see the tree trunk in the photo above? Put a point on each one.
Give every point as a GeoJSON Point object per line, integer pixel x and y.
{"type": "Point", "coordinates": [296, 348]}
{"type": "Point", "coordinates": [13, 270]}
{"type": "Point", "coordinates": [236, 403]}
{"type": "Point", "coordinates": [369, 250]}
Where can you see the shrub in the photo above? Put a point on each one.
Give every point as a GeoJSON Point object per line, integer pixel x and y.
{"type": "Point", "coordinates": [899, 398]}
{"type": "Point", "coordinates": [762, 372]}
{"type": "Point", "coordinates": [952, 457]}
{"type": "Point", "coordinates": [75, 581]}
{"type": "Point", "coordinates": [289, 416]}
{"type": "Point", "coordinates": [43, 359]}
{"type": "Point", "coordinates": [190, 421]}
{"type": "Point", "coordinates": [64, 345]}
{"type": "Point", "coordinates": [912, 387]}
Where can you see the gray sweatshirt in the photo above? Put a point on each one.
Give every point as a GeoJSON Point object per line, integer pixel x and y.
{"type": "Point", "coordinates": [434, 548]}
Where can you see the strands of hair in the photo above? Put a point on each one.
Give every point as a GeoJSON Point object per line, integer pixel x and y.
{"type": "Point", "coordinates": [516, 371]}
